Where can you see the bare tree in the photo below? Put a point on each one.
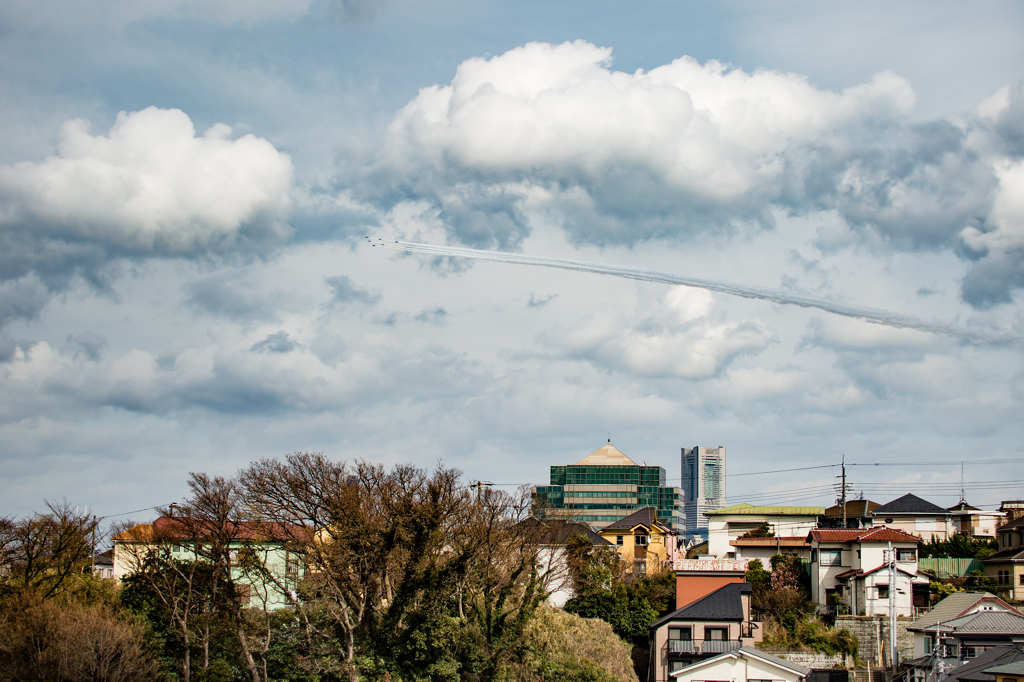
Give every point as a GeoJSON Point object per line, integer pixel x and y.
{"type": "Point", "coordinates": [43, 551]}
{"type": "Point", "coordinates": [384, 549]}
{"type": "Point", "coordinates": [181, 584]}
{"type": "Point", "coordinates": [44, 640]}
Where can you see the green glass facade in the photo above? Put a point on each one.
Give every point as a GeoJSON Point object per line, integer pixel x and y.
{"type": "Point", "coordinates": [603, 494]}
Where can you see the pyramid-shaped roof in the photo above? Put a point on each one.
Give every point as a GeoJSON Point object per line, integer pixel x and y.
{"type": "Point", "coordinates": [909, 504]}
{"type": "Point", "coordinates": [608, 455]}
{"type": "Point", "coordinates": [646, 517]}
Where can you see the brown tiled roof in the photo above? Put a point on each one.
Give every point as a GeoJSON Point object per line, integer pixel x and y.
{"type": "Point", "coordinates": [856, 508]}
{"type": "Point", "coordinates": [770, 542]}
{"type": "Point", "coordinates": [1016, 523]}
{"type": "Point", "coordinates": [647, 517]}
{"type": "Point", "coordinates": [558, 532]}
{"type": "Point", "coordinates": [179, 528]}
{"type": "Point", "coordinates": [848, 574]}
{"type": "Point", "coordinates": [876, 534]}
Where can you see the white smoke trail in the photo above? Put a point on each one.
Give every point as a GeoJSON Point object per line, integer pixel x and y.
{"type": "Point", "coordinates": [874, 315]}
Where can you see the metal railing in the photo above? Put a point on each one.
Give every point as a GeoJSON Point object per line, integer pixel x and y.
{"type": "Point", "coordinates": [702, 646]}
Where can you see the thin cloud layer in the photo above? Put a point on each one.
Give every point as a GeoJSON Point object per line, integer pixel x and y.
{"type": "Point", "coordinates": [617, 158]}
{"type": "Point", "coordinates": [149, 188]}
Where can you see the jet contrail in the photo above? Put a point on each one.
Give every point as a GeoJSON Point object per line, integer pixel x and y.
{"type": "Point", "coordinates": [874, 315]}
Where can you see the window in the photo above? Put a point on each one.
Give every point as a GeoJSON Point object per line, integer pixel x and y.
{"type": "Point", "coordinates": [814, 556]}
{"type": "Point", "coordinates": [1022, 578]}
{"type": "Point", "coordinates": [1003, 578]}
{"type": "Point", "coordinates": [906, 555]}
{"type": "Point", "coordinates": [716, 634]}
{"type": "Point", "coordinates": [831, 557]}
{"type": "Point", "coordinates": [677, 665]}
{"type": "Point", "coordinates": [883, 591]}
{"type": "Point", "coordinates": [175, 548]}
{"type": "Point", "coordinates": [618, 540]}
{"type": "Point", "coordinates": [927, 645]}
{"type": "Point", "coordinates": [680, 634]}
{"type": "Point", "coordinates": [640, 539]}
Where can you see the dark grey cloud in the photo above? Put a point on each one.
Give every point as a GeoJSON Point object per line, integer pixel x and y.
{"type": "Point", "coordinates": [228, 295]}
{"type": "Point", "coordinates": [345, 292]}
{"type": "Point", "coordinates": [1009, 123]}
{"type": "Point", "coordinates": [540, 302]}
{"type": "Point", "coordinates": [433, 316]}
{"type": "Point", "coordinates": [22, 298]}
{"type": "Point", "coordinates": [278, 342]}
{"type": "Point", "coordinates": [993, 279]}
{"type": "Point", "coordinates": [357, 11]}
{"type": "Point", "coordinates": [88, 345]}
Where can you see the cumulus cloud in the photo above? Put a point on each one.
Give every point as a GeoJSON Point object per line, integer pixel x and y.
{"type": "Point", "coordinates": [279, 342]}
{"type": "Point", "coordinates": [345, 292]}
{"type": "Point", "coordinates": [276, 374]}
{"type": "Point", "coordinates": [150, 187]}
{"type": "Point", "coordinates": [677, 341]}
{"type": "Point", "coordinates": [625, 156]}
{"type": "Point", "coordinates": [552, 130]}
{"type": "Point", "coordinates": [228, 294]}
{"type": "Point", "coordinates": [999, 243]}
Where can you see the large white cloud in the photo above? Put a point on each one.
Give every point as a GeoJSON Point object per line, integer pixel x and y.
{"type": "Point", "coordinates": [552, 130]}
{"type": "Point", "coordinates": [150, 187]}
{"type": "Point", "coordinates": [615, 146]}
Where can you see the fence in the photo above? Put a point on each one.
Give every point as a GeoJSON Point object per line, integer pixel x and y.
{"type": "Point", "coordinates": [949, 568]}
{"type": "Point", "coordinates": [702, 646]}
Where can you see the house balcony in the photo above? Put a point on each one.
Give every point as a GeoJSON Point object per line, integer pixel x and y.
{"type": "Point", "coordinates": [702, 647]}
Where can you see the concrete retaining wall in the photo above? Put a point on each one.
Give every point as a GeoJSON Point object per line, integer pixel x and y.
{"type": "Point", "coordinates": [808, 659]}
{"type": "Point", "coordinates": [872, 633]}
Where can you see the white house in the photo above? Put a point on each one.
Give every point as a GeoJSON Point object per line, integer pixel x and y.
{"type": "Point", "coordinates": [850, 568]}
{"type": "Point", "coordinates": [728, 523]}
{"type": "Point", "coordinates": [745, 664]}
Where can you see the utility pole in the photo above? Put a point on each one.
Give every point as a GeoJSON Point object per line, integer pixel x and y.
{"type": "Point", "coordinates": [480, 485]}
{"type": "Point", "coordinates": [892, 610]}
{"type": "Point", "coordinates": [93, 572]}
{"type": "Point", "coordinates": [842, 495]}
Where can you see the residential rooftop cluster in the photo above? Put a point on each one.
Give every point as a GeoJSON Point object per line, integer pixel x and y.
{"type": "Point", "coordinates": [753, 592]}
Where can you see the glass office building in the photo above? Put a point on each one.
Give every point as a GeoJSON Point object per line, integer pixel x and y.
{"type": "Point", "coordinates": [703, 484]}
{"type": "Point", "coordinates": [604, 487]}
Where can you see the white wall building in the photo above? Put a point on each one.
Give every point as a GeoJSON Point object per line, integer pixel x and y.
{"type": "Point", "coordinates": [851, 568]}
{"type": "Point", "coordinates": [728, 523]}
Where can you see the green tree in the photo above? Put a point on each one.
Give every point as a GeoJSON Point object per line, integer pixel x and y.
{"type": "Point", "coordinates": [763, 530]}
{"type": "Point", "coordinates": [759, 579]}
{"type": "Point", "coordinates": [958, 546]}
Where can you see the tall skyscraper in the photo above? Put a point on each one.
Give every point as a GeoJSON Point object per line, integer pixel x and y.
{"type": "Point", "coordinates": [606, 486]}
{"type": "Point", "coordinates": [703, 487]}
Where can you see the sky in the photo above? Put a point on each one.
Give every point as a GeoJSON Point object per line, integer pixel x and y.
{"type": "Point", "coordinates": [186, 189]}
